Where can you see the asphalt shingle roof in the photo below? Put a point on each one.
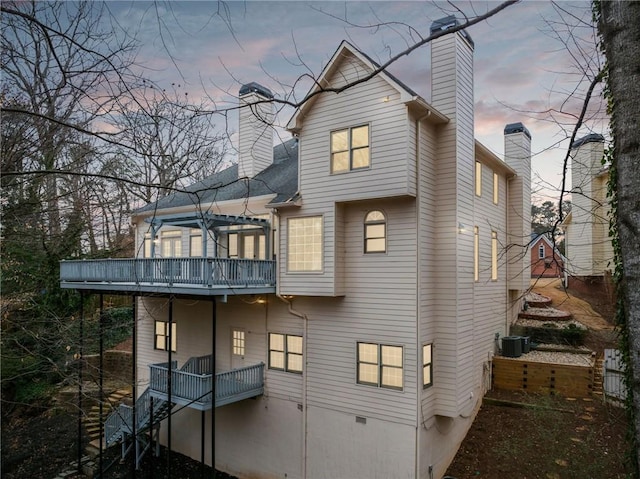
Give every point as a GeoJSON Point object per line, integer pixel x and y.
{"type": "Point", "coordinates": [281, 178]}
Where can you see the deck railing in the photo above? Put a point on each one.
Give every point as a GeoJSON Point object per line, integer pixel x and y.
{"type": "Point", "coordinates": [191, 385]}
{"type": "Point", "coordinates": [208, 272]}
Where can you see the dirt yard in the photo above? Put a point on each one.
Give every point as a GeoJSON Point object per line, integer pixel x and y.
{"type": "Point", "coordinates": [553, 438]}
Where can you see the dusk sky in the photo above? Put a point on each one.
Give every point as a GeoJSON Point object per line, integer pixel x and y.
{"type": "Point", "coordinates": [521, 66]}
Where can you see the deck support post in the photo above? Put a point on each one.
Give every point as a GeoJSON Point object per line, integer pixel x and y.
{"type": "Point", "coordinates": [133, 381]}
{"type": "Point", "coordinates": [169, 385]}
{"type": "Point", "coordinates": [202, 425]}
{"type": "Point", "coordinates": [80, 360]}
{"type": "Point", "coordinates": [213, 383]}
{"type": "Point", "coordinates": [101, 378]}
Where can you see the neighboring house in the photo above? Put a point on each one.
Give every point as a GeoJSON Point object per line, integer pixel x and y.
{"type": "Point", "coordinates": [588, 248]}
{"type": "Point", "coordinates": [366, 263]}
{"type": "Point", "coordinates": [546, 260]}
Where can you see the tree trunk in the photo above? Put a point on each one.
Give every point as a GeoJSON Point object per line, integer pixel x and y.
{"type": "Point", "coordinates": [620, 31]}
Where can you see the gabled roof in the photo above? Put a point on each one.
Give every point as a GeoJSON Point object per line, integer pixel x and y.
{"type": "Point", "coordinates": [537, 236]}
{"type": "Point", "coordinates": [407, 95]}
{"type": "Point", "coordinates": [280, 179]}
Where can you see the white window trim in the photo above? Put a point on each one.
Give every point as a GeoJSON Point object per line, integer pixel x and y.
{"type": "Point", "coordinates": [288, 248]}
{"type": "Point", "coordinates": [541, 252]}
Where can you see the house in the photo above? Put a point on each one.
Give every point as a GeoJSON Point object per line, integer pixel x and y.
{"type": "Point", "coordinates": [329, 308]}
{"type": "Point", "coordinates": [546, 260]}
{"type": "Point", "coordinates": [588, 248]}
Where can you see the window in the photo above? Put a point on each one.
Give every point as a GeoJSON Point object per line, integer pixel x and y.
{"type": "Point", "coordinates": [494, 255]}
{"type": "Point", "coordinates": [380, 365]}
{"type": "Point", "coordinates": [162, 336]}
{"type": "Point", "coordinates": [496, 188]}
{"type": "Point", "coordinates": [247, 245]}
{"type": "Point", "coordinates": [375, 232]}
{"type": "Point", "coordinates": [427, 366]}
{"type": "Point", "coordinates": [195, 243]}
{"type": "Point", "coordinates": [350, 149]}
{"type": "Point", "coordinates": [541, 251]}
{"type": "Point", "coordinates": [171, 243]}
{"type": "Point", "coordinates": [147, 245]}
{"type": "Point", "coordinates": [478, 178]}
{"type": "Point", "coordinates": [237, 342]}
{"type": "Point", "coordinates": [285, 352]}
{"type": "Point", "coordinates": [476, 253]}
{"type": "Point", "coordinates": [304, 244]}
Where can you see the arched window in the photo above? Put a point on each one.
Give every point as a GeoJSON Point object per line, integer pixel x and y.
{"type": "Point", "coordinates": [375, 232]}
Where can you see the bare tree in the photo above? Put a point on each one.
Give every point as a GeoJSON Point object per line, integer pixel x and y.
{"type": "Point", "coordinates": [170, 142]}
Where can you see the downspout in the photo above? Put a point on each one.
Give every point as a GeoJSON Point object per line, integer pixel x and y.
{"type": "Point", "coordinates": [510, 306]}
{"type": "Point", "coordinates": [305, 320]}
{"type": "Point", "coordinates": [305, 323]}
{"type": "Point", "coordinates": [418, 290]}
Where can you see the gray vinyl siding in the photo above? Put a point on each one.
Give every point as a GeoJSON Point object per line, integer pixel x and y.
{"type": "Point", "coordinates": [379, 306]}
{"type": "Point", "coordinates": [362, 104]}
{"type": "Point", "coordinates": [389, 175]}
{"type": "Point", "coordinates": [193, 323]}
{"type": "Point", "coordinates": [428, 253]}
{"type": "Point", "coordinates": [453, 96]}
{"type": "Point", "coordinates": [489, 296]}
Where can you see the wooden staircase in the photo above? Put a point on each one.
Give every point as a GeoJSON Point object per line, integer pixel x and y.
{"type": "Point", "coordinates": [91, 420]}
{"type": "Point", "coordinates": [598, 377]}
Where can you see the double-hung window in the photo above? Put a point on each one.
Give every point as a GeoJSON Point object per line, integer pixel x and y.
{"type": "Point", "coordinates": [380, 365]}
{"type": "Point", "coordinates": [285, 352]}
{"type": "Point", "coordinates": [350, 149]}
{"type": "Point", "coordinates": [541, 251]}
{"type": "Point", "coordinates": [478, 178]}
{"type": "Point", "coordinates": [162, 336]}
{"type": "Point", "coordinates": [195, 242]}
{"type": "Point", "coordinates": [494, 255]}
{"type": "Point", "coordinates": [427, 365]}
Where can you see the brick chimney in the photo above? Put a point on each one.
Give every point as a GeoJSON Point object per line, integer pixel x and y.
{"type": "Point", "coordinates": [517, 154]}
{"type": "Point", "coordinates": [255, 142]}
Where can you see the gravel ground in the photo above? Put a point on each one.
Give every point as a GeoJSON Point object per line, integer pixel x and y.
{"type": "Point", "coordinates": [536, 323]}
{"type": "Point", "coordinates": [557, 357]}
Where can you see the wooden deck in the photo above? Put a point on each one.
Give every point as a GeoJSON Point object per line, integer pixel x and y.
{"type": "Point", "coordinates": [193, 276]}
{"type": "Point", "coordinates": [191, 385]}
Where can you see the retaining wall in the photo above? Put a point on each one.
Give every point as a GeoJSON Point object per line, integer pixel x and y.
{"type": "Point", "coordinates": [565, 380]}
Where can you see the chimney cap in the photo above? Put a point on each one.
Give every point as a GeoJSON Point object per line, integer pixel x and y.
{"type": "Point", "coordinates": [590, 138]}
{"type": "Point", "coordinates": [516, 128]}
{"type": "Point", "coordinates": [254, 87]}
{"type": "Point", "coordinates": [446, 23]}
